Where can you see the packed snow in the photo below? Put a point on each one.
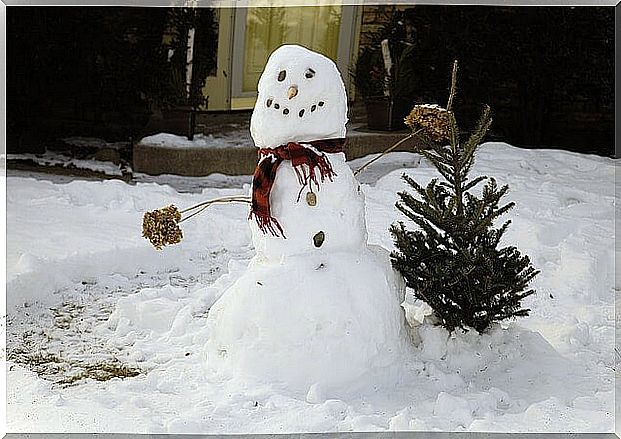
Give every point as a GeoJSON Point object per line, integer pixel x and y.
{"type": "Point", "coordinates": [106, 334]}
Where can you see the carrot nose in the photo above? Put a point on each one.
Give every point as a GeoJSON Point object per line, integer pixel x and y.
{"type": "Point", "coordinates": [292, 91]}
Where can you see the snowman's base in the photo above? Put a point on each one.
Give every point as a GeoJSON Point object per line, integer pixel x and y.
{"type": "Point", "coordinates": [325, 319]}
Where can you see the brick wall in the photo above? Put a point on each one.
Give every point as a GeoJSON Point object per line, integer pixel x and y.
{"type": "Point", "coordinates": [374, 17]}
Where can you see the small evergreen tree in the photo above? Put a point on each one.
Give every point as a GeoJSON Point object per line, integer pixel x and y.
{"type": "Point", "coordinates": [454, 261]}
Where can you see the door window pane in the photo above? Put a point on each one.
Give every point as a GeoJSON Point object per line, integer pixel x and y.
{"type": "Point", "coordinates": [315, 27]}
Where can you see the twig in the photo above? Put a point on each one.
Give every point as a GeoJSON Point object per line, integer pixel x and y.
{"type": "Point", "coordinates": [205, 204]}
{"type": "Point", "coordinates": [232, 198]}
{"type": "Point", "coordinates": [194, 214]}
{"type": "Point", "coordinates": [391, 148]}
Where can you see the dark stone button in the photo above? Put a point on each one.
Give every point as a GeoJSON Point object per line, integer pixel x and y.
{"type": "Point", "coordinates": [318, 239]}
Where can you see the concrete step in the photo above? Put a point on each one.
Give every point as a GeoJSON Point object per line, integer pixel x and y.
{"type": "Point", "coordinates": [156, 159]}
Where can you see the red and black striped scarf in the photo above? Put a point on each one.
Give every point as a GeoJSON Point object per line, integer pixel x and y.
{"type": "Point", "coordinates": [305, 157]}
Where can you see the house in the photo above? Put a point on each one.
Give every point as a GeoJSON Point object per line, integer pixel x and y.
{"type": "Point", "coordinates": [546, 72]}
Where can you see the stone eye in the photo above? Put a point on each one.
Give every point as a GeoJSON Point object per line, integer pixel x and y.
{"type": "Point", "coordinates": [282, 75]}
{"type": "Point", "coordinates": [309, 73]}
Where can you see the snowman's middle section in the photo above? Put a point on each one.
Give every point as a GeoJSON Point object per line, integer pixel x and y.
{"type": "Point", "coordinates": [315, 219]}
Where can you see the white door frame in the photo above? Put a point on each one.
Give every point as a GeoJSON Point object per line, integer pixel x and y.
{"type": "Point", "coordinates": [218, 86]}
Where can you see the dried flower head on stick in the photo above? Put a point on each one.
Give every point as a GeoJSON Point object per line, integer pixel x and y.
{"type": "Point", "coordinates": [430, 119]}
{"type": "Point", "coordinates": [161, 226]}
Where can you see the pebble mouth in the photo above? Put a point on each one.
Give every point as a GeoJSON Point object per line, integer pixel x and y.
{"type": "Point", "coordinates": [313, 108]}
{"type": "Point", "coordinates": [301, 113]}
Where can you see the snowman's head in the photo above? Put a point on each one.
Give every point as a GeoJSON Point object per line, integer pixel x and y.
{"type": "Point", "coordinates": [301, 98]}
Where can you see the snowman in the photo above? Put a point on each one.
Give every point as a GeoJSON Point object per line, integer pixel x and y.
{"type": "Point", "coordinates": [317, 306]}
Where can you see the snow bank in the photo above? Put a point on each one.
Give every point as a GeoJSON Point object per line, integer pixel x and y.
{"type": "Point", "coordinates": [58, 234]}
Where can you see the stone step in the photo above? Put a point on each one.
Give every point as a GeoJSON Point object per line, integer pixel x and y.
{"type": "Point", "coordinates": [241, 160]}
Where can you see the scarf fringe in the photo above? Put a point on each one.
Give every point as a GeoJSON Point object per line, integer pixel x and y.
{"type": "Point", "coordinates": [306, 173]}
{"type": "Point", "coordinates": [268, 224]}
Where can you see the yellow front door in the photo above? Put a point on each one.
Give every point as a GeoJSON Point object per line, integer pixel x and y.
{"type": "Point", "coordinates": [315, 27]}
{"type": "Point", "coordinates": [247, 36]}
{"type": "Point", "coordinates": [266, 28]}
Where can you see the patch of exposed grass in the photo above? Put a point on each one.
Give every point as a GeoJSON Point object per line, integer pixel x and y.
{"type": "Point", "coordinates": [101, 371]}
{"type": "Point", "coordinates": [66, 372]}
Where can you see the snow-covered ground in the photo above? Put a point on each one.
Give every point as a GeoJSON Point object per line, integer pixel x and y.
{"type": "Point", "coordinates": [50, 158]}
{"type": "Point", "coordinates": [89, 299]}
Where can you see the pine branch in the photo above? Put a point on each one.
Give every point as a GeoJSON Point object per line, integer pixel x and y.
{"type": "Point", "coordinates": [486, 221]}
{"type": "Point", "coordinates": [474, 182]}
{"type": "Point", "coordinates": [453, 134]}
{"type": "Point", "coordinates": [409, 180]}
{"type": "Point", "coordinates": [483, 125]}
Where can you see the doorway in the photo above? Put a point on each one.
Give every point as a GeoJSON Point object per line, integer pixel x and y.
{"type": "Point", "coordinates": [257, 31]}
